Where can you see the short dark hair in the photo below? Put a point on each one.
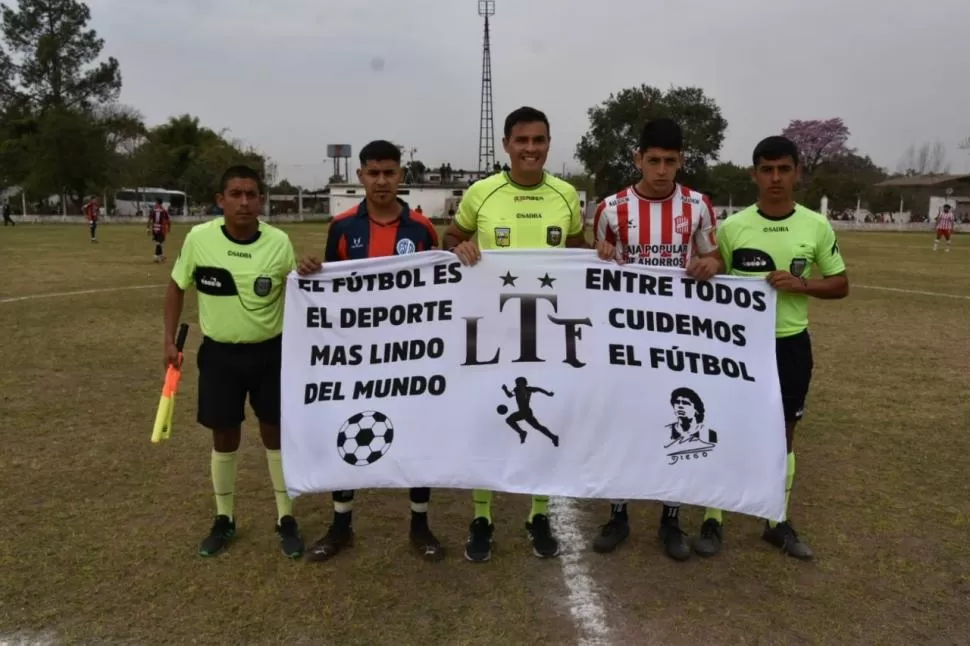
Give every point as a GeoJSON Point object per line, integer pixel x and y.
{"type": "Point", "coordinates": [379, 150]}
{"type": "Point", "coordinates": [774, 148]}
{"type": "Point", "coordinates": [525, 114]}
{"type": "Point", "coordinates": [662, 133]}
{"type": "Point", "coordinates": [241, 171]}
{"type": "Point", "coordinates": [692, 397]}
{"type": "Point", "coordinates": [946, 206]}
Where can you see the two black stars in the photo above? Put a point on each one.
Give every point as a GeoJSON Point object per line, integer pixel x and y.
{"type": "Point", "coordinates": [509, 279]}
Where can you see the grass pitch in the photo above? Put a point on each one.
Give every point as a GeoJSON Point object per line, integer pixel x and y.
{"type": "Point", "coordinates": [100, 528]}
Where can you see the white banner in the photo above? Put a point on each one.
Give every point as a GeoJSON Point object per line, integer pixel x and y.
{"type": "Point", "coordinates": [546, 372]}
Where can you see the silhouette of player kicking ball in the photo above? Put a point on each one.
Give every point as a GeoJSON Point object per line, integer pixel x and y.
{"type": "Point", "coordinates": [523, 397]}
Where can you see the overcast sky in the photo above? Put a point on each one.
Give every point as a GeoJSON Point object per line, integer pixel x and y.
{"type": "Point", "coordinates": [291, 76]}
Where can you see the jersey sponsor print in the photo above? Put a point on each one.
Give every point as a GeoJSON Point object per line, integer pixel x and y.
{"type": "Point", "coordinates": [752, 244]}
{"type": "Point", "coordinates": [240, 282]}
{"type": "Point", "coordinates": [657, 232]}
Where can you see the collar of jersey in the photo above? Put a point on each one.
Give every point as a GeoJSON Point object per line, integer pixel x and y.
{"type": "Point", "coordinates": [405, 212]}
{"type": "Point", "coordinates": [655, 199]}
{"type": "Point", "coordinates": [256, 236]}
{"type": "Point", "coordinates": [773, 219]}
{"type": "Point", "coordinates": [523, 187]}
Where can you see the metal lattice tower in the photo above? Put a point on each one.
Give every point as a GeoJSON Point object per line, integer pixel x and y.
{"type": "Point", "coordinates": [486, 128]}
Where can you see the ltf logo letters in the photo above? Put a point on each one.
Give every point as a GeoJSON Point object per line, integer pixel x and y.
{"type": "Point", "coordinates": [530, 320]}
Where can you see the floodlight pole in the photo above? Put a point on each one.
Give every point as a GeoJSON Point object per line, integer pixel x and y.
{"type": "Point", "coordinates": [486, 124]}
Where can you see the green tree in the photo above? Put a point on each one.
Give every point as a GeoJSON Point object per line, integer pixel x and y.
{"type": "Point", "coordinates": [845, 180]}
{"type": "Point", "coordinates": [65, 153]}
{"type": "Point", "coordinates": [58, 55]}
{"type": "Point", "coordinates": [286, 188]}
{"type": "Point", "coordinates": [582, 182]}
{"type": "Point", "coordinates": [8, 91]}
{"type": "Point", "coordinates": [50, 82]}
{"type": "Point", "coordinates": [606, 150]}
{"type": "Point", "coordinates": [729, 183]}
{"type": "Point", "coordinates": [182, 154]}
{"type": "Point", "coordinates": [122, 132]}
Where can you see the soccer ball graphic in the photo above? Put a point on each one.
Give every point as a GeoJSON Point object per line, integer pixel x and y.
{"type": "Point", "coordinates": [365, 438]}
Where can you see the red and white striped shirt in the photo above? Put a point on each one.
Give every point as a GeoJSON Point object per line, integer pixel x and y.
{"type": "Point", "coordinates": [660, 233]}
{"type": "Point", "coordinates": [945, 221]}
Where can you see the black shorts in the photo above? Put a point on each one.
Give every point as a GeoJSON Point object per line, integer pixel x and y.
{"type": "Point", "coordinates": [228, 372]}
{"type": "Point", "coordinates": [795, 364]}
{"type": "Point", "coordinates": [158, 237]}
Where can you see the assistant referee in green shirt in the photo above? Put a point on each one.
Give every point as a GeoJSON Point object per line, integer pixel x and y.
{"type": "Point", "coordinates": [782, 241]}
{"type": "Point", "coordinates": [239, 267]}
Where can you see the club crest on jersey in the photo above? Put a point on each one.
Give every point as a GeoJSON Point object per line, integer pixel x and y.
{"type": "Point", "coordinates": [405, 246]}
{"type": "Point", "coordinates": [554, 236]}
{"type": "Point", "coordinates": [262, 285]}
{"type": "Point", "coordinates": [681, 224]}
{"type": "Point", "coordinates": [797, 266]}
{"type": "Point", "coordinates": [503, 237]}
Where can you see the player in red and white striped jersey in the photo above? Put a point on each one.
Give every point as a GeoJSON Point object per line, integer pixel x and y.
{"type": "Point", "coordinates": [661, 223]}
{"type": "Point", "coordinates": [945, 223]}
{"type": "Point", "coordinates": [657, 221]}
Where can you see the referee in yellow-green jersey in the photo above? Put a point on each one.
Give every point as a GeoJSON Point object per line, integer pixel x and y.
{"type": "Point", "coordinates": [524, 208]}
{"type": "Point", "coordinates": [783, 242]}
{"type": "Point", "coordinates": [238, 266]}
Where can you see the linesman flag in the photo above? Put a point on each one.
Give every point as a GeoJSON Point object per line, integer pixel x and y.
{"type": "Point", "coordinates": [166, 405]}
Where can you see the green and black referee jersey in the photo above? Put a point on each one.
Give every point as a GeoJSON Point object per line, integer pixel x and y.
{"type": "Point", "coordinates": [752, 244]}
{"type": "Point", "coordinates": [240, 284]}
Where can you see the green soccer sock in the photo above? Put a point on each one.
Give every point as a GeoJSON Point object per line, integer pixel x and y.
{"type": "Point", "coordinates": [713, 513]}
{"type": "Point", "coordinates": [284, 505]}
{"type": "Point", "coordinates": [789, 479]}
{"type": "Point", "coordinates": [224, 481]}
{"type": "Point", "coordinates": [483, 504]}
{"type": "Point", "coordinates": [540, 505]}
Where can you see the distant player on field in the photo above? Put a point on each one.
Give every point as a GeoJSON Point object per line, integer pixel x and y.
{"type": "Point", "coordinates": [159, 224]}
{"type": "Point", "coordinates": [522, 208]}
{"type": "Point", "coordinates": [945, 223]}
{"type": "Point", "coordinates": [238, 265]}
{"type": "Point", "coordinates": [658, 222]}
{"type": "Point", "coordinates": [92, 210]}
{"type": "Point", "coordinates": [782, 241]}
{"type": "Point", "coordinates": [381, 225]}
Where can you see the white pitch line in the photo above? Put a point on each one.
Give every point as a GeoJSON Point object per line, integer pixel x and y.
{"type": "Point", "coordinates": [27, 639]}
{"type": "Point", "coordinates": [82, 292]}
{"type": "Point", "coordinates": [583, 600]}
{"type": "Point", "coordinates": [912, 291]}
